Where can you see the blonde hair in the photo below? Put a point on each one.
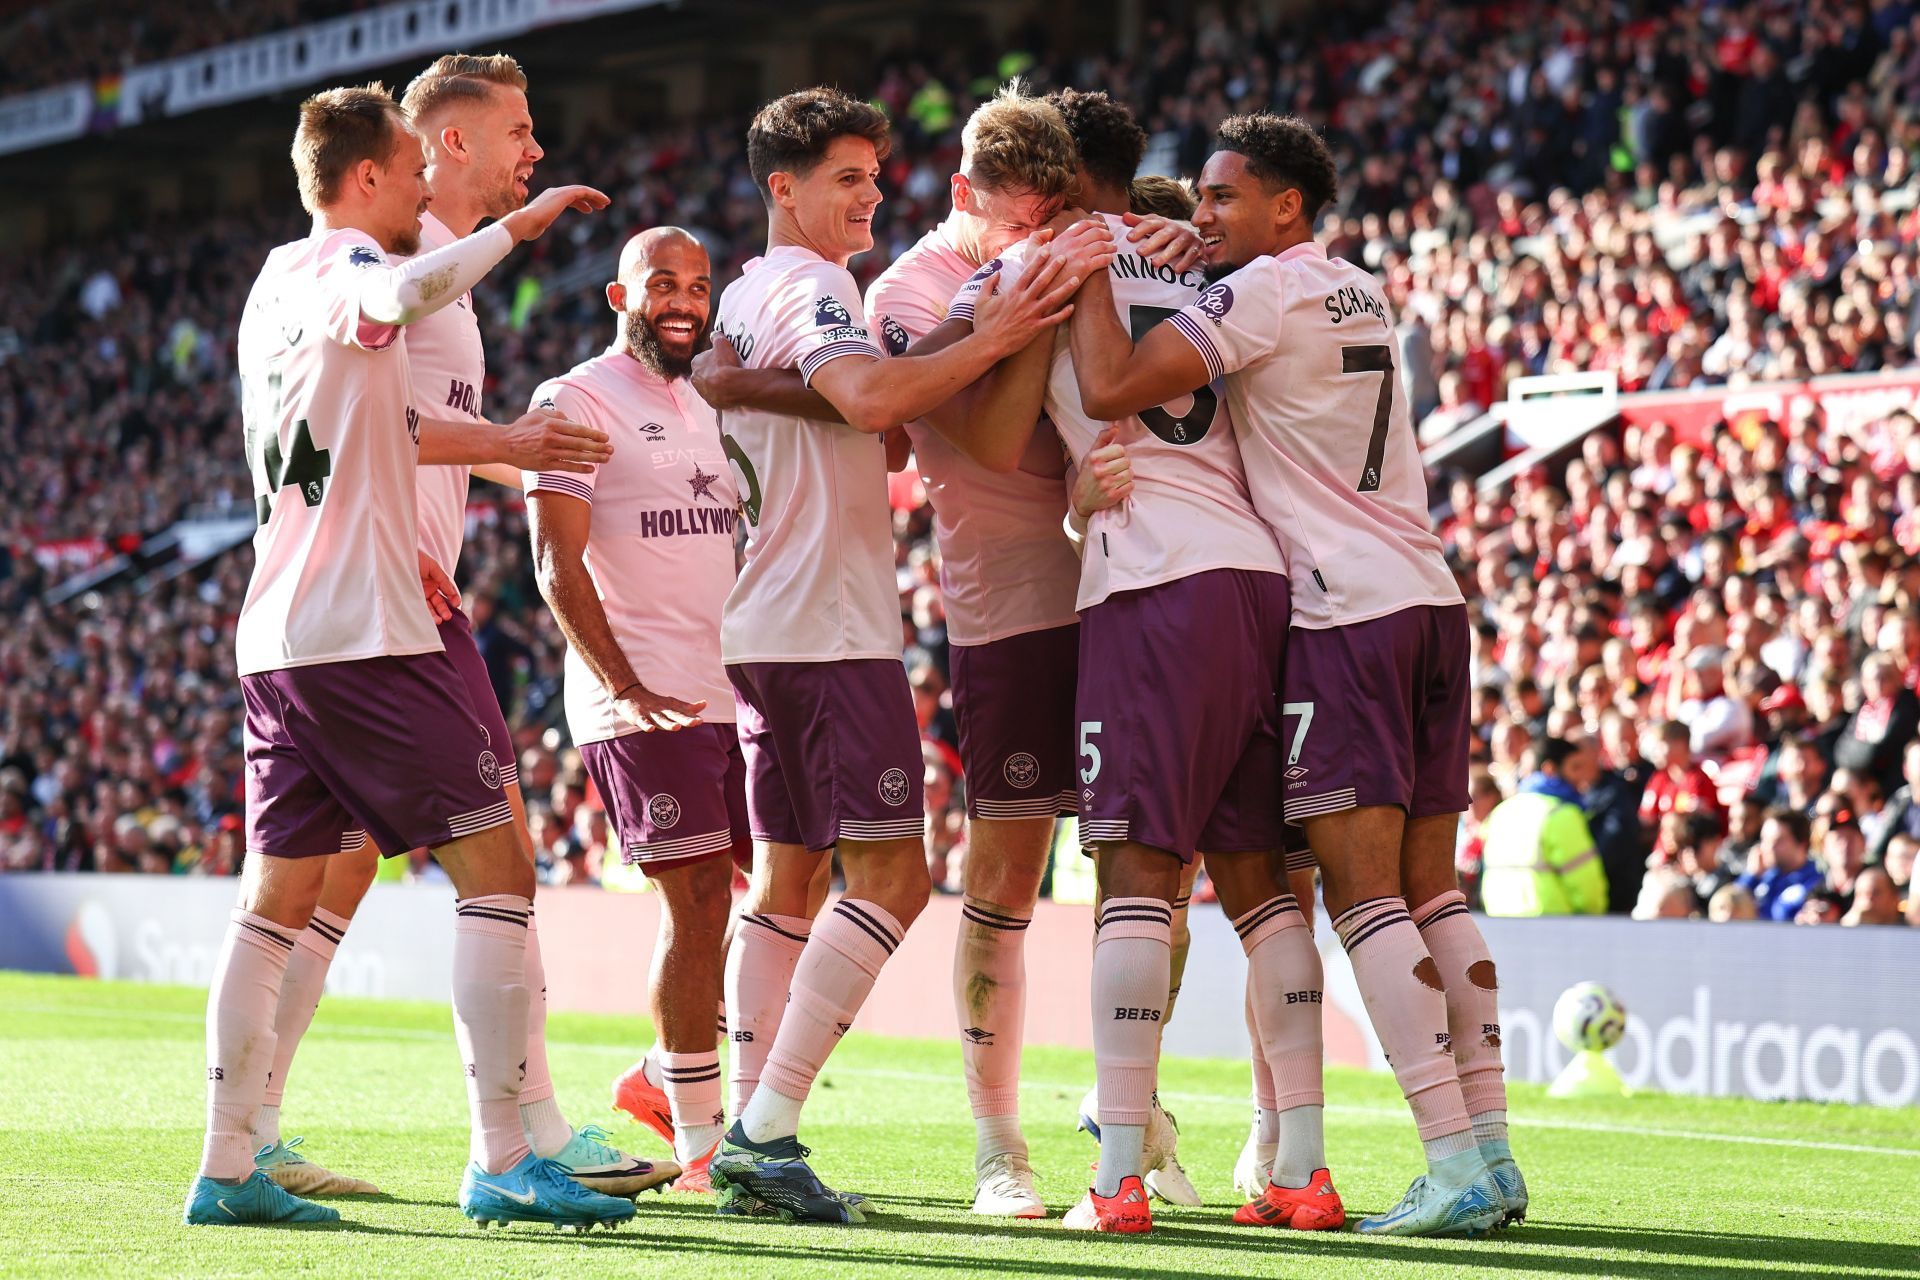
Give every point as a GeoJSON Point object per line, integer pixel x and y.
{"type": "Point", "coordinates": [338, 129]}
{"type": "Point", "coordinates": [460, 77]}
{"type": "Point", "coordinates": [1169, 197]}
{"type": "Point", "coordinates": [1017, 143]}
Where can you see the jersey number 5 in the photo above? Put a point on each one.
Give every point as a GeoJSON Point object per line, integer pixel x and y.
{"type": "Point", "coordinates": [1373, 359]}
{"type": "Point", "coordinates": [1192, 426]}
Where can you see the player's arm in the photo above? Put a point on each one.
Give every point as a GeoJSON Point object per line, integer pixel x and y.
{"type": "Point", "coordinates": [723, 382]}
{"type": "Point", "coordinates": [560, 523]}
{"type": "Point", "coordinates": [874, 395]}
{"type": "Point", "coordinates": [1104, 478]}
{"type": "Point", "coordinates": [503, 475]}
{"type": "Point", "coordinates": [1119, 377]}
{"type": "Point", "coordinates": [538, 440]}
{"type": "Point", "coordinates": [402, 294]}
{"type": "Point", "coordinates": [899, 449]}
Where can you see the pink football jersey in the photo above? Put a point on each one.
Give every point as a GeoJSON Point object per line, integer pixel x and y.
{"type": "Point", "coordinates": [1190, 511]}
{"type": "Point", "coordinates": [819, 582]}
{"type": "Point", "coordinates": [1305, 344]}
{"type": "Point", "coordinates": [1006, 566]}
{"type": "Point", "coordinates": [449, 364]}
{"type": "Point", "coordinates": [660, 547]}
{"type": "Point", "coordinates": [332, 443]}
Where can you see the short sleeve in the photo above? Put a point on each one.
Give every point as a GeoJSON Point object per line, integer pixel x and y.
{"type": "Point", "coordinates": [898, 316]}
{"type": "Point", "coordinates": [1234, 322]}
{"type": "Point", "coordinates": [961, 308]}
{"type": "Point", "coordinates": [824, 320]}
{"type": "Point", "coordinates": [563, 399]}
{"type": "Point", "coordinates": [345, 258]}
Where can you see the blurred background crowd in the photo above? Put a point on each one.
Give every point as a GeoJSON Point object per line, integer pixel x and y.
{"type": "Point", "coordinates": [1695, 658]}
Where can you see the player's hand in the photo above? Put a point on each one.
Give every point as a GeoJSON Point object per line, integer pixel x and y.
{"type": "Point", "coordinates": [1009, 318]}
{"type": "Point", "coordinates": [640, 706]}
{"type": "Point", "coordinates": [543, 440]}
{"type": "Point", "coordinates": [1164, 242]}
{"type": "Point", "coordinates": [710, 369]}
{"type": "Point", "coordinates": [1087, 246]}
{"type": "Point", "coordinates": [1105, 478]}
{"type": "Point", "coordinates": [531, 222]}
{"type": "Point", "coordinates": [442, 596]}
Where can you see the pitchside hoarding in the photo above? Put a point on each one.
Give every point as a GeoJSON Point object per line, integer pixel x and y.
{"type": "Point", "coordinates": [1748, 1010]}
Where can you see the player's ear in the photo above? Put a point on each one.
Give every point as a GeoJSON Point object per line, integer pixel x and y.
{"type": "Point", "coordinates": [367, 174]}
{"type": "Point", "coordinates": [962, 193]}
{"type": "Point", "coordinates": [452, 141]}
{"type": "Point", "coordinates": [617, 296]}
{"type": "Point", "coordinates": [1288, 204]}
{"type": "Point", "coordinates": [781, 184]}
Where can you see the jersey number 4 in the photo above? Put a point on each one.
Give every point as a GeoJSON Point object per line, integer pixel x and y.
{"type": "Point", "coordinates": [1192, 426]}
{"type": "Point", "coordinates": [300, 464]}
{"type": "Point", "coordinates": [1373, 359]}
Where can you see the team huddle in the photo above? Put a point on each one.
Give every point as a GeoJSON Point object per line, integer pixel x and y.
{"type": "Point", "coordinates": [1193, 600]}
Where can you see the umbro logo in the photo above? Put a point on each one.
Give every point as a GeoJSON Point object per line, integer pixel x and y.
{"type": "Point", "coordinates": [978, 1036]}
{"type": "Point", "coordinates": [844, 1027]}
{"type": "Point", "coordinates": [1298, 772]}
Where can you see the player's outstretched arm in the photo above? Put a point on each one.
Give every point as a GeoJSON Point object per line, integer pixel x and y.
{"type": "Point", "coordinates": [559, 524]}
{"type": "Point", "coordinates": [402, 294]}
{"type": "Point", "coordinates": [874, 395]}
{"type": "Point", "coordinates": [723, 382]}
{"type": "Point", "coordinates": [1118, 378]}
{"type": "Point", "coordinates": [538, 440]}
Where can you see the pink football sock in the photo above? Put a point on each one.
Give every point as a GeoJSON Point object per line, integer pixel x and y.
{"type": "Point", "coordinates": [691, 1082]}
{"type": "Point", "coordinates": [759, 973]}
{"type": "Point", "coordinates": [240, 1013]}
{"type": "Point", "coordinates": [990, 998]}
{"type": "Point", "coordinates": [1132, 954]}
{"type": "Point", "coordinates": [300, 994]}
{"type": "Point", "coordinates": [540, 1115]}
{"type": "Point", "coordinates": [1284, 974]}
{"type": "Point", "coordinates": [490, 1021]}
{"type": "Point", "coordinates": [1401, 986]}
{"type": "Point", "coordinates": [1473, 998]}
{"type": "Point", "coordinates": [1262, 1074]}
{"type": "Point", "coordinates": [836, 972]}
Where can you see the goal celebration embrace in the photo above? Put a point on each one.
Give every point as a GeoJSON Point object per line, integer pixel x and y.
{"type": "Point", "coordinates": [970, 637]}
{"type": "Point", "coordinates": [1153, 419]}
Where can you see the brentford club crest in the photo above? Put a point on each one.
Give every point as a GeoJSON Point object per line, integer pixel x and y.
{"type": "Point", "coordinates": [1022, 770]}
{"type": "Point", "coordinates": [664, 810]}
{"type": "Point", "coordinates": [893, 787]}
{"type": "Point", "coordinates": [490, 770]}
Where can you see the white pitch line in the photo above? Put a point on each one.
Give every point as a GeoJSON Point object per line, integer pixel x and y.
{"type": "Point", "coordinates": [365, 1032]}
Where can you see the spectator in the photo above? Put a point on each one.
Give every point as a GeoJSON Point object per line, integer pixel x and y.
{"type": "Point", "coordinates": [1718, 725]}
{"type": "Point", "coordinates": [1874, 900]}
{"type": "Point", "coordinates": [1823, 906]}
{"type": "Point", "coordinates": [1613, 810]}
{"type": "Point", "coordinates": [1902, 815]}
{"type": "Point", "coordinates": [1666, 895]}
{"type": "Point", "coordinates": [1678, 785]}
{"type": "Point", "coordinates": [1539, 856]}
{"type": "Point", "coordinates": [1878, 732]}
{"type": "Point", "coordinates": [1731, 902]}
{"type": "Point", "coordinates": [1781, 876]}
{"type": "Point", "coordinates": [1899, 863]}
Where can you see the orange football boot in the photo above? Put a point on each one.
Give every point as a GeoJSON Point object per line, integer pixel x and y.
{"type": "Point", "coordinates": [640, 1098]}
{"type": "Point", "coordinates": [1125, 1212]}
{"type": "Point", "coordinates": [1314, 1207]}
{"type": "Point", "coordinates": [698, 1176]}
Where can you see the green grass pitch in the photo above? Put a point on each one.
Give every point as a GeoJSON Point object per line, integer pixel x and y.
{"type": "Point", "coordinates": [101, 1124]}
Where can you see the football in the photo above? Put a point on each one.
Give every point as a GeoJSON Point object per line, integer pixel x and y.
{"type": "Point", "coordinates": [1588, 1017]}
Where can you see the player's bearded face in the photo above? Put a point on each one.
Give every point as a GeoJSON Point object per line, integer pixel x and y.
{"type": "Point", "coordinates": [507, 152]}
{"type": "Point", "coordinates": [668, 316]}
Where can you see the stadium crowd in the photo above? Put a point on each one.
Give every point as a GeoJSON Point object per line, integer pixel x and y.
{"type": "Point", "coordinates": [1709, 650]}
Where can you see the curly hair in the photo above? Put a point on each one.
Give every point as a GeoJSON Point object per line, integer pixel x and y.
{"type": "Point", "coordinates": [338, 129]}
{"type": "Point", "coordinates": [1168, 197]}
{"type": "Point", "coordinates": [1105, 134]}
{"type": "Point", "coordinates": [1284, 151]}
{"type": "Point", "coordinates": [792, 133]}
{"type": "Point", "coordinates": [1016, 143]}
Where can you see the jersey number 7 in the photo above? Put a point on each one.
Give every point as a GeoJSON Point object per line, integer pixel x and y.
{"type": "Point", "coordinates": [1373, 359]}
